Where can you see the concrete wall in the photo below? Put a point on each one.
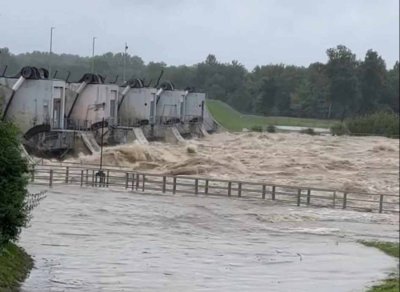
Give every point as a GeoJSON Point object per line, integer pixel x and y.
{"type": "Point", "coordinates": [169, 105]}
{"type": "Point", "coordinates": [136, 106]}
{"type": "Point", "coordinates": [34, 103]}
{"type": "Point", "coordinates": [193, 105]}
{"type": "Point", "coordinates": [93, 103]}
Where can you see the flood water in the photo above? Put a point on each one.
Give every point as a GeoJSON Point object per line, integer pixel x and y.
{"type": "Point", "coordinates": [101, 240]}
{"type": "Point", "coordinates": [355, 164]}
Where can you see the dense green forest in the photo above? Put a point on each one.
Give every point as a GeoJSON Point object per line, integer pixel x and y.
{"type": "Point", "coordinates": [343, 87]}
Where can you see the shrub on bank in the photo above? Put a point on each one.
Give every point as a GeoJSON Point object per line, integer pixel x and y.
{"type": "Point", "coordinates": [339, 129]}
{"type": "Point", "coordinates": [271, 129]}
{"type": "Point", "coordinates": [15, 265]}
{"type": "Point", "coordinates": [392, 283]}
{"type": "Point", "coordinates": [308, 131]}
{"type": "Point", "coordinates": [13, 183]}
{"type": "Point", "coordinates": [380, 123]}
{"type": "Point", "coordinates": [256, 128]}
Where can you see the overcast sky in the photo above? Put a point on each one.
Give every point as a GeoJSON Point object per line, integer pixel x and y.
{"type": "Point", "coordinates": [186, 31]}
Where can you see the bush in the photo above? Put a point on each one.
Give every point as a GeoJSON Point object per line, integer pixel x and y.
{"type": "Point", "coordinates": [256, 128]}
{"type": "Point", "coordinates": [271, 129]}
{"type": "Point", "coordinates": [339, 129]}
{"type": "Point", "coordinates": [308, 131]}
{"type": "Point", "coordinates": [15, 265]}
{"type": "Point", "coordinates": [380, 123]}
{"type": "Point", "coordinates": [13, 181]}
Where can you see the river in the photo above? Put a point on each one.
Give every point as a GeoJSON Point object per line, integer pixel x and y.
{"type": "Point", "coordinates": [103, 240]}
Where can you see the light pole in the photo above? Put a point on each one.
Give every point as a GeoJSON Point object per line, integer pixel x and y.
{"type": "Point", "coordinates": [93, 43]}
{"type": "Point", "coordinates": [51, 48]}
{"type": "Point", "coordinates": [124, 66]}
{"type": "Point", "coordinates": [100, 175]}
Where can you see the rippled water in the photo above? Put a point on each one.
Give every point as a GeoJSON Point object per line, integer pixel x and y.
{"type": "Point", "coordinates": [100, 240]}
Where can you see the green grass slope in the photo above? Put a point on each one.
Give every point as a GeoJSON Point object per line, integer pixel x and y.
{"type": "Point", "coordinates": [15, 265]}
{"type": "Point", "coordinates": [391, 284]}
{"type": "Point", "coordinates": [233, 120]}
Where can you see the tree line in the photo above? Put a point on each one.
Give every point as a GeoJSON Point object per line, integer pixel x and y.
{"type": "Point", "coordinates": [342, 87]}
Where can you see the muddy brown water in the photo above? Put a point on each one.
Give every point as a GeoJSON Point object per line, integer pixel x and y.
{"type": "Point", "coordinates": [356, 164]}
{"type": "Point", "coordinates": [104, 240]}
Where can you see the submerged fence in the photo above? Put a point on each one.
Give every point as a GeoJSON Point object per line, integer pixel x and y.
{"type": "Point", "coordinates": [84, 176]}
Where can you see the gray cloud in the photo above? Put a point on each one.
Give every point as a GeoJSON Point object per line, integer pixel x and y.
{"type": "Point", "coordinates": [184, 32]}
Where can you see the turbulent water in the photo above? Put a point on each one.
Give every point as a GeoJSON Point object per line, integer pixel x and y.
{"type": "Point", "coordinates": [100, 240]}
{"type": "Point", "coordinates": [366, 164]}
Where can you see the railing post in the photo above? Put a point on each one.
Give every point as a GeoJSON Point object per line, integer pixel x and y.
{"type": "Point", "coordinates": [108, 177]}
{"type": "Point", "coordinates": [298, 197]}
{"type": "Point", "coordinates": [229, 188]}
{"type": "Point", "coordinates": [273, 193]}
{"type": "Point", "coordinates": [144, 179]}
{"type": "Point", "coordinates": [239, 189]}
{"type": "Point", "coordinates": [66, 174]}
{"type": "Point", "coordinates": [206, 187]}
{"type": "Point", "coordinates": [164, 184]}
{"type": "Point", "coordinates": [334, 199]}
{"type": "Point", "coordinates": [174, 186]}
{"type": "Point", "coordinates": [51, 178]}
{"type": "Point", "coordinates": [308, 197]}
{"type": "Point", "coordinates": [264, 190]}
{"type": "Point", "coordinates": [137, 181]}
{"type": "Point", "coordinates": [344, 200]}
{"type": "Point", "coordinates": [126, 180]}
{"type": "Point", "coordinates": [196, 186]}
{"type": "Point", "coordinates": [380, 203]}
{"type": "Point", "coordinates": [81, 177]}
{"type": "Point", "coordinates": [93, 178]}
{"type": "Point", "coordinates": [87, 177]}
{"type": "Point", "coordinates": [133, 181]}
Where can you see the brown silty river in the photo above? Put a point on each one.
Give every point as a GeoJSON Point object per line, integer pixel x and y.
{"type": "Point", "coordinates": [85, 239]}
{"type": "Point", "coordinates": [360, 164]}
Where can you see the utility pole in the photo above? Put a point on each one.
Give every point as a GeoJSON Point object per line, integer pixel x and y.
{"type": "Point", "coordinates": [51, 49]}
{"type": "Point", "coordinates": [93, 44]}
{"type": "Point", "coordinates": [124, 65]}
{"type": "Point", "coordinates": [101, 145]}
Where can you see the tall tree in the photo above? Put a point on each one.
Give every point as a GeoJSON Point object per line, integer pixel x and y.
{"type": "Point", "coordinates": [267, 98]}
{"type": "Point", "coordinates": [392, 89]}
{"type": "Point", "coordinates": [7, 59]}
{"type": "Point", "coordinates": [372, 81]}
{"type": "Point", "coordinates": [311, 98]}
{"type": "Point", "coordinates": [13, 184]}
{"type": "Point", "coordinates": [344, 87]}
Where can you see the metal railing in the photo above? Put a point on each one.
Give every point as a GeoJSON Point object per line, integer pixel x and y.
{"type": "Point", "coordinates": [134, 122]}
{"type": "Point", "coordinates": [77, 124]}
{"type": "Point", "coordinates": [160, 184]}
{"type": "Point", "coordinates": [193, 119]}
{"type": "Point", "coordinates": [86, 125]}
{"type": "Point", "coordinates": [168, 120]}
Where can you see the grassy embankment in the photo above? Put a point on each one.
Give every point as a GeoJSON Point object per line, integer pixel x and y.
{"type": "Point", "coordinates": [391, 284]}
{"type": "Point", "coordinates": [15, 265]}
{"type": "Point", "coordinates": [233, 120]}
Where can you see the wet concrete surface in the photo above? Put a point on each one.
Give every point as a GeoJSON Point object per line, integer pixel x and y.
{"type": "Point", "coordinates": [100, 240]}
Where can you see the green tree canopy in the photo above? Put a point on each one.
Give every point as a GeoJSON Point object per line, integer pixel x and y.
{"type": "Point", "coordinates": [13, 182]}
